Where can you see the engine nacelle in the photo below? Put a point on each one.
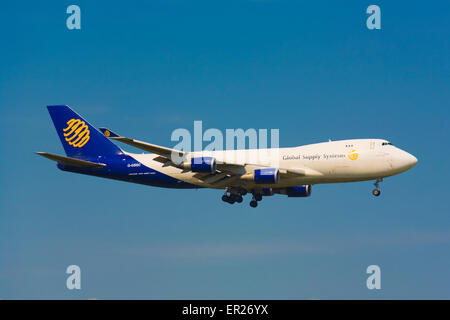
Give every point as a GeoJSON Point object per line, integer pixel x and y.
{"type": "Point", "coordinates": [201, 164]}
{"type": "Point", "coordinates": [296, 191]}
{"type": "Point", "coordinates": [263, 176]}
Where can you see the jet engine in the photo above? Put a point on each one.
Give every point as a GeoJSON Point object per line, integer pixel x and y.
{"type": "Point", "coordinates": [201, 164]}
{"type": "Point", "coordinates": [296, 191]}
{"type": "Point", "coordinates": [263, 176]}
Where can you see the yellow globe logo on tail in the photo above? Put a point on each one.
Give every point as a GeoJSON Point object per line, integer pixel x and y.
{"type": "Point", "coordinates": [76, 133]}
{"type": "Point", "coordinates": [353, 155]}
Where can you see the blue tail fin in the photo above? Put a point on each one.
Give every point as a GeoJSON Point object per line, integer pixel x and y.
{"type": "Point", "coordinates": [79, 138]}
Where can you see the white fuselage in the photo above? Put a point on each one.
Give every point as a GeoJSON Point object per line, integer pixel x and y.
{"type": "Point", "coordinates": [327, 162]}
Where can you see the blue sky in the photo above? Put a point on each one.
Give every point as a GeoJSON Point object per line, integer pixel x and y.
{"type": "Point", "coordinates": [311, 69]}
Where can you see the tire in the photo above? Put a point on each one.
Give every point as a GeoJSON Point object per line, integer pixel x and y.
{"type": "Point", "coordinates": [376, 192]}
{"type": "Point", "coordinates": [239, 199]}
{"type": "Point", "coordinates": [253, 203]}
{"type": "Point", "coordinates": [258, 197]}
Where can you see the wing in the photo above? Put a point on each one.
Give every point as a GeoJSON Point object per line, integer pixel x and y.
{"type": "Point", "coordinates": [227, 173]}
{"type": "Point", "coordinates": [149, 147]}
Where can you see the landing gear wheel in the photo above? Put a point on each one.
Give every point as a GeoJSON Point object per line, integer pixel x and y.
{"type": "Point", "coordinates": [258, 197]}
{"type": "Point", "coordinates": [239, 198]}
{"type": "Point", "coordinates": [376, 192]}
{"type": "Point", "coordinates": [253, 203]}
{"type": "Point", "coordinates": [234, 197]}
{"type": "Point", "coordinates": [228, 199]}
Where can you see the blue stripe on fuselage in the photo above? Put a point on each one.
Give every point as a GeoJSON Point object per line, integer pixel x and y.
{"type": "Point", "coordinates": [125, 168]}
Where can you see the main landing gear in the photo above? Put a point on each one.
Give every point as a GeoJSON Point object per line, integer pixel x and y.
{"type": "Point", "coordinates": [233, 195]}
{"type": "Point", "coordinates": [232, 198]}
{"type": "Point", "coordinates": [376, 192]}
{"type": "Point", "coordinates": [256, 197]}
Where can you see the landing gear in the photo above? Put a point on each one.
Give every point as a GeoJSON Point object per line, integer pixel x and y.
{"type": "Point", "coordinates": [256, 197]}
{"type": "Point", "coordinates": [228, 199]}
{"type": "Point", "coordinates": [235, 194]}
{"type": "Point", "coordinates": [231, 196]}
{"type": "Point", "coordinates": [376, 192]}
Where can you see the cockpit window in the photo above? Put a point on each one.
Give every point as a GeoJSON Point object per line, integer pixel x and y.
{"type": "Point", "coordinates": [386, 144]}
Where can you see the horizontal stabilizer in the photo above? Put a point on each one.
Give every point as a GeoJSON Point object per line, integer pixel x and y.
{"type": "Point", "coordinates": [71, 161]}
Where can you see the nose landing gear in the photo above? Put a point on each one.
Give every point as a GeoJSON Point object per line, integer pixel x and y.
{"type": "Point", "coordinates": [376, 192]}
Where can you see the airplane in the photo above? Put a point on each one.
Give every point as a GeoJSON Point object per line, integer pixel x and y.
{"type": "Point", "coordinates": [285, 171]}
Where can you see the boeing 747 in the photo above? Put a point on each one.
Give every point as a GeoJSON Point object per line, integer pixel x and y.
{"type": "Point", "coordinates": [259, 172]}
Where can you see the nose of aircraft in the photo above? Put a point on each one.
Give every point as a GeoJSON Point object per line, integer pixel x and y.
{"type": "Point", "coordinates": [404, 160]}
{"type": "Point", "coordinates": [411, 160]}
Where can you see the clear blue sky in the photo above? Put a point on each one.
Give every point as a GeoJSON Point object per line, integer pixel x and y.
{"type": "Point", "coordinates": [144, 68]}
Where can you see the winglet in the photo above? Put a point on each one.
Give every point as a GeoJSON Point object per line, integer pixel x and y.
{"type": "Point", "coordinates": [108, 133]}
